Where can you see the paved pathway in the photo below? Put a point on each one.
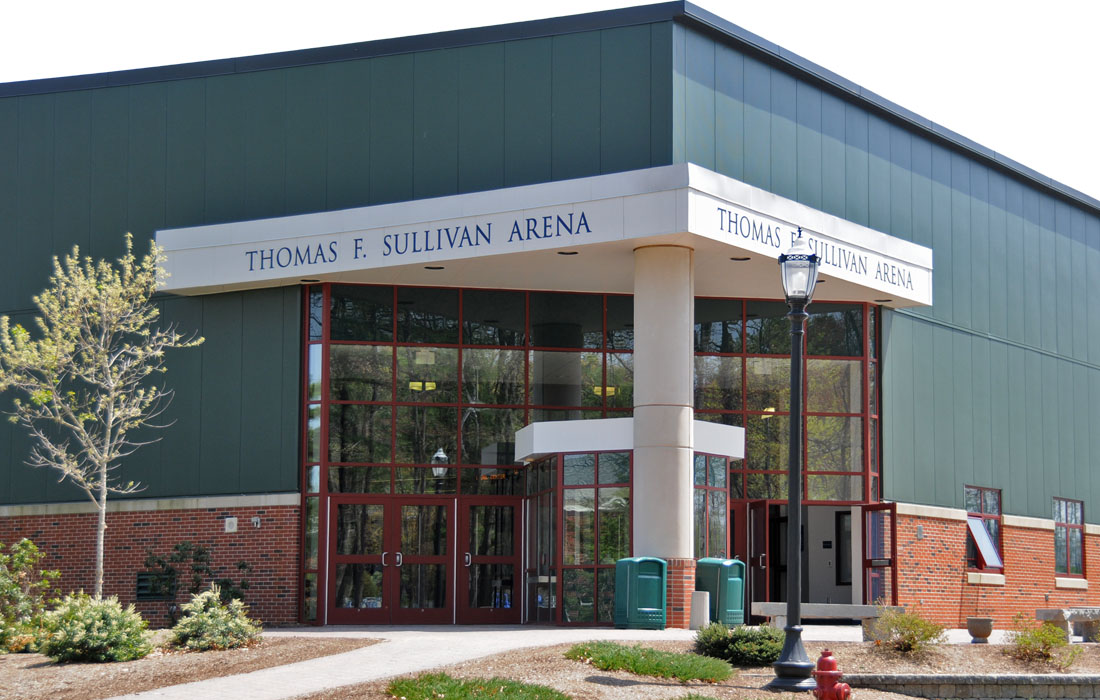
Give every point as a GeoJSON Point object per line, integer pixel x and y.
{"type": "Point", "coordinates": [412, 649]}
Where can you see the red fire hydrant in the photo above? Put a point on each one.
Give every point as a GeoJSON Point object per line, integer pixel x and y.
{"type": "Point", "coordinates": [827, 676]}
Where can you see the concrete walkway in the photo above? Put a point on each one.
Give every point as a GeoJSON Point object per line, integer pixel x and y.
{"type": "Point", "coordinates": [411, 649]}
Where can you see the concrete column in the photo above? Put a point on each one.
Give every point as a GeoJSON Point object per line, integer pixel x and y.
{"type": "Point", "coordinates": [664, 290]}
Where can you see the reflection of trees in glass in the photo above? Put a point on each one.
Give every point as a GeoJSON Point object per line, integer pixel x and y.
{"type": "Point", "coordinates": [620, 379]}
{"type": "Point", "coordinates": [359, 433]}
{"type": "Point", "coordinates": [427, 375]}
{"type": "Point", "coordinates": [579, 592]}
{"type": "Point", "coordinates": [488, 435]}
{"type": "Point", "coordinates": [759, 486]}
{"type": "Point", "coordinates": [427, 315]}
{"type": "Point", "coordinates": [359, 479]}
{"type": "Point", "coordinates": [834, 443]}
{"type": "Point", "coordinates": [316, 313]}
{"type": "Point", "coordinates": [423, 586]}
{"type": "Point", "coordinates": [835, 329]}
{"type": "Point", "coordinates": [717, 325]}
{"type": "Point", "coordinates": [358, 586]}
{"type": "Point", "coordinates": [767, 328]}
{"type": "Point", "coordinates": [492, 376]}
{"type": "Point", "coordinates": [360, 373]}
{"type": "Point", "coordinates": [833, 386]}
{"type": "Point", "coordinates": [834, 487]}
{"type": "Point", "coordinates": [718, 383]}
{"type": "Point", "coordinates": [361, 313]}
{"type": "Point", "coordinates": [767, 383]}
{"type": "Point", "coordinates": [767, 442]}
{"type": "Point", "coordinates": [614, 524]}
{"type": "Point", "coordinates": [423, 430]}
{"type": "Point", "coordinates": [579, 527]}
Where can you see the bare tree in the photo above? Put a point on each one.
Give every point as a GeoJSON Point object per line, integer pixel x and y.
{"type": "Point", "coordinates": [87, 379]}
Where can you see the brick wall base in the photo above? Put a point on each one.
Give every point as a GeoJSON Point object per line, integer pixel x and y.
{"type": "Point", "coordinates": [272, 550]}
{"type": "Point", "coordinates": [932, 576]}
{"type": "Point", "coordinates": [681, 584]}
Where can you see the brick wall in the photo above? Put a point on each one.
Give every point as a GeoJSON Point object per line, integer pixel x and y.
{"type": "Point", "coordinates": [272, 550]}
{"type": "Point", "coordinates": [680, 586]}
{"type": "Point", "coordinates": [932, 573]}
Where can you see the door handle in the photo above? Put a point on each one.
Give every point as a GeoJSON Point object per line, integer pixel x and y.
{"type": "Point", "coordinates": [399, 558]}
{"type": "Point", "coordinates": [468, 559]}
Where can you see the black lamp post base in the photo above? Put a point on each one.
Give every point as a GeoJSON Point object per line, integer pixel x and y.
{"type": "Point", "coordinates": [794, 669]}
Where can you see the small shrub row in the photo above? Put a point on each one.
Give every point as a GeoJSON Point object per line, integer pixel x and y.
{"type": "Point", "coordinates": [740, 646]}
{"type": "Point", "coordinates": [1041, 643]}
{"type": "Point", "coordinates": [906, 631]}
{"type": "Point", "coordinates": [83, 628]}
{"type": "Point", "coordinates": [439, 685]}
{"type": "Point", "coordinates": [25, 589]}
{"type": "Point", "coordinates": [609, 656]}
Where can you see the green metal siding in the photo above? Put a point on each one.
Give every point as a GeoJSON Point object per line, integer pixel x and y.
{"type": "Point", "coordinates": [82, 167]}
{"type": "Point", "coordinates": [991, 385]}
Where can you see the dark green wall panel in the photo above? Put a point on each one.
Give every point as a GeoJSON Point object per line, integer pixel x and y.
{"type": "Point", "coordinates": [72, 165]}
{"type": "Point", "coordinates": [699, 94]}
{"type": "Point", "coordinates": [481, 118]}
{"type": "Point", "coordinates": [575, 117]}
{"type": "Point", "coordinates": [348, 131]}
{"type": "Point", "coordinates": [83, 167]}
{"type": "Point", "coordinates": [784, 161]}
{"type": "Point", "coordinates": [808, 148]}
{"type": "Point", "coordinates": [626, 85]}
{"type": "Point", "coordinates": [435, 129]}
{"type": "Point", "coordinates": [222, 385]}
{"type": "Point", "coordinates": [527, 109]}
{"type": "Point", "coordinates": [757, 133]}
{"type": "Point", "coordinates": [185, 152]}
{"type": "Point", "coordinates": [729, 112]}
{"type": "Point", "coordinates": [391, 128]}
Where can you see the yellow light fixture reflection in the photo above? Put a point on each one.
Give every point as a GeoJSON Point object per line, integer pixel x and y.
{"type": "Point", "coordinates": [769, 410]}
{"type": "Point", "coordinates": [603, 390]}
{"type": "Point", "coordinates": [421, 386]}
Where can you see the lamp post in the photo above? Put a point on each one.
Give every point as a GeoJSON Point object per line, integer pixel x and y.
{"type": "Point", "coordinates": [799, 268]}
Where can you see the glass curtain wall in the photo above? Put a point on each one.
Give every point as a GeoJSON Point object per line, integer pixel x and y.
{"type": "Point", "coordinates": [419, 391]}
{"type": "Point", "coordinates": [742, 378]}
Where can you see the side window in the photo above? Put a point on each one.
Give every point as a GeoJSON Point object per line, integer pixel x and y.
{"type": "Point", "coordinates": [1069, 537]}
{"type": "Point", "coordinates": [983, 524]}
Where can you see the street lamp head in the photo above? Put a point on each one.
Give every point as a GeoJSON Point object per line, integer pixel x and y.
{"type": "Point", "coordinates": [439, 458]}
{"type": "Point", "coordinates": [799, 268]}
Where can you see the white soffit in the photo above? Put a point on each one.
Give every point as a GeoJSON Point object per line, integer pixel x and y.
{"type": "Point", "coordinates": [617, 434]}
{"type": "Point", "coordinates": [510, 238]}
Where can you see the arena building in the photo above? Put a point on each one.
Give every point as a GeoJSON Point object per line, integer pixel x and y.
{"type": "Point", "coordinates": [487, 310]}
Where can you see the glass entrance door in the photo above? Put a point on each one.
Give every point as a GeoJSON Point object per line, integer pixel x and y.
{"type": "Point", "coordinates": [488, 552]}
{"type": "Point", "coordinates": [391, 561]}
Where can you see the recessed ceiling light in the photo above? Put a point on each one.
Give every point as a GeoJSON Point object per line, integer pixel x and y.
{"type": "Point", "coordinates": [309, 281]}
{"type": "Point", "coordinates": [433, 267]}
{"type": "Point", "coordinates": [741, 259]}
{"type": "Point", "coordinates": [567, 252]}
{"type": "Point", "coordinates": [883, 301]}
{"type": "Point", "coordinates": [822, 281]}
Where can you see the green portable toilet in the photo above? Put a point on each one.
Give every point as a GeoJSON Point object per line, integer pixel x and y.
{"type": "Point", "coordinates": [640, 593]}
{"type": "Point", "coordinates": [724, 579]}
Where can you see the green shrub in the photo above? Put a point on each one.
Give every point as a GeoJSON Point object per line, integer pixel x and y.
{"type": "Point", "coordinates": [209, 623]}
{"type": "Point", "coordinates": [741, 645]}
{"type": "Point", "coordinates": [24, 588]}
{"type": "Point", "coordinates": [906, 632]}
{"type": "Point", "coordinates": [83, 628]}
{"type": "Point", "coordinates": [609, 656]}
{"type": "Point", "coordinates": [439, 685]}
{"type": "Point", "coordinates": [1044, 643]}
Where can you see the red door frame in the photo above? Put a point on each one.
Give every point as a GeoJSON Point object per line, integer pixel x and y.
{"type": "Point", "coordinates": [878, 564]}
{"type": "Point", "coordinates": [758, 569]}
{"type": "Point", "coordinates": [466, 559]}
{"type": "Point", "coordinates": [392, 559]}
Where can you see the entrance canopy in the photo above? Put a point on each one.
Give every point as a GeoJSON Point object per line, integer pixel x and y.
{"type": "Point", "coordinates": [575, 235]}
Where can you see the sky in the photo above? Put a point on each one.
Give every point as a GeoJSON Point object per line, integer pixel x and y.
{"type": "Point", "coordinates": [1019, 77]}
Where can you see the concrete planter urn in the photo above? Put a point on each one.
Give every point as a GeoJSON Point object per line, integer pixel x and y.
{"type": "Point", "coordinates": [979, 628]}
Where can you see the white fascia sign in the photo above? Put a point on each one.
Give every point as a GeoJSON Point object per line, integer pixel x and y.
{"type": "Point", "coordinates": [678, 204]}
